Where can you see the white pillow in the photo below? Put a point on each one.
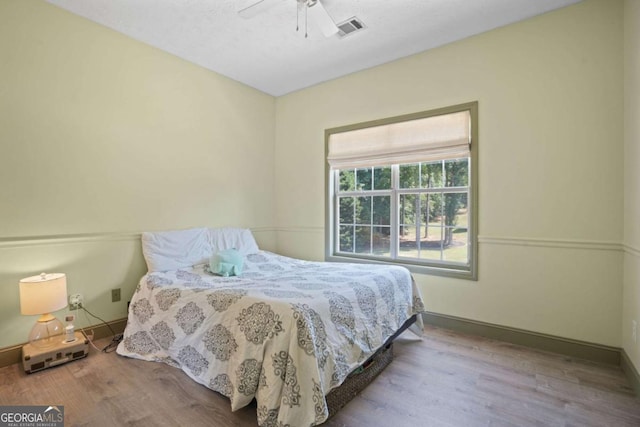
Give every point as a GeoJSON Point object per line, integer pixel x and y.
{"type": "Point", "coordinates": [171, 250]}
{"type": "Point", "coordinates": [240, 239]}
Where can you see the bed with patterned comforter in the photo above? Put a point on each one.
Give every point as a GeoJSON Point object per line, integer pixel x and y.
{"type": "Point", "coordinates": [285, 332]}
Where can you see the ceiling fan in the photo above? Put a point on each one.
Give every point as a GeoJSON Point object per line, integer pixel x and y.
{"type": "Point", "coordinates": [313, 9]}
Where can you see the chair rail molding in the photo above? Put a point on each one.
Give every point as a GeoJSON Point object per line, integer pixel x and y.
{"type": "Point", "coordinates": [603, 245]}
{"type": "Point", "coordinates": [20, 241]}
{"type": "Point", "coordinates": [631, 250]}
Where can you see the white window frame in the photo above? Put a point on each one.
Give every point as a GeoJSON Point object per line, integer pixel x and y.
{"type": "Point", "coordinates": [423, 266]}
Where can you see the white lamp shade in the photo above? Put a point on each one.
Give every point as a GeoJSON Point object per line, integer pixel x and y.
{"type": "Point", "coordinates": [43, 294]}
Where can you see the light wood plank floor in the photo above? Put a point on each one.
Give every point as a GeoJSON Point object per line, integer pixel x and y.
{"type": "Point", "coordinates": [447, 379]}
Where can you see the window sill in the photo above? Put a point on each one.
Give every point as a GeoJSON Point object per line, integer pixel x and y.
{"type": "Point", "coordinates": [414, 268]}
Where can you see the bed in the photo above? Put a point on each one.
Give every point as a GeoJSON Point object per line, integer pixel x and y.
{"type": "Point", "coordinates": [285, 332]}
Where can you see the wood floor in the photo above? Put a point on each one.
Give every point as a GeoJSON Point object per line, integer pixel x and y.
{"type": "Point", "coordinates": [447, 379]}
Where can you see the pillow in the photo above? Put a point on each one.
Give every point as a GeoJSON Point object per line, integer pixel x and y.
{"type": "Point", "coordinates": [240, 239]}
{"type": "Point", "coordinates": [171, 250]}
{"type": "Point", "coordinates": [227, 262]}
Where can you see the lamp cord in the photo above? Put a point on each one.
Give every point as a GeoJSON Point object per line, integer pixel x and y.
{"type": "Point", "coordinates": [116, 337]}
{"type": "Point", "coordinates": [93, 315]}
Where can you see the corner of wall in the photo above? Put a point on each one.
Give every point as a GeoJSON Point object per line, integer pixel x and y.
{"type": "Point", "coordinates": [631, 280]}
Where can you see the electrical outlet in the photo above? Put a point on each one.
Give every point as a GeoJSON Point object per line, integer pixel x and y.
{"type": "Point", "coordinates": [634, 331]}
{"type": "Point", "coordinates": [75, 301]}
{"type": "Point", "coordinates": [115, 295]}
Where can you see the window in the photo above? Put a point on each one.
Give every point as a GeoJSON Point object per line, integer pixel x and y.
{"type": "Point", "coordinates": [403, 190]}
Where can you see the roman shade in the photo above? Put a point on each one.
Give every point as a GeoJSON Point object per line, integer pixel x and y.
{"type": "Point", "coordinates": [427, 139]}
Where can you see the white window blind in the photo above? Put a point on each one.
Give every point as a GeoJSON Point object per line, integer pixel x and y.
{"type": "Point", "coordinates": [433, 138]}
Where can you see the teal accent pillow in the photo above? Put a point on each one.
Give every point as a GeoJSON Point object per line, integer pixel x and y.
{"type": "Point", "coordinates": [228, 262]}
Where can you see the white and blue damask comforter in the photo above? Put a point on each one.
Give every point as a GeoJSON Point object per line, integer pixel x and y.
{"type": "Point", "coordinates": [285, 333]}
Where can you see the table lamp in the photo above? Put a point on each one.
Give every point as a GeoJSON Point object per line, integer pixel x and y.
{"type": "Point", "coordinates": [41, 295]}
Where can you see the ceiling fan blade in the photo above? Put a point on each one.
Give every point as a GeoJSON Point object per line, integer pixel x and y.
{"type": "Point", "coordinates": [250, 8]}
{"type": "Point", "coordinates": [322, 19]}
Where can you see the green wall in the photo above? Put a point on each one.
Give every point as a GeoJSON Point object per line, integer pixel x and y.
{"type": "Point", "coordinates": [550, 97]}
{"type": "Point", "coordinates": [631, 297]}
{"type": "Point", "coordinates": [102, 137]}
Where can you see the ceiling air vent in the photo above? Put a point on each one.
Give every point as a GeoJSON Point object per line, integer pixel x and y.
{"type": "Point", "coordinates": [350, 26]}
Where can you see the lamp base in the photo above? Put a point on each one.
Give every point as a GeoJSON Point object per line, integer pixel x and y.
{"type": "Point", "coordinates": [47, 332]}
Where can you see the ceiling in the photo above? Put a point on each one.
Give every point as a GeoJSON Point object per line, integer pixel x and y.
{"type": "Point", "coordinates": [267, 53]}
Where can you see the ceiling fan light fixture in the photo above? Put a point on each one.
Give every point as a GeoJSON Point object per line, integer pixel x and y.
{"type": "Point", "coordinates": [313, 9]}
{"type": "Point", "coordinates": [321, 17]}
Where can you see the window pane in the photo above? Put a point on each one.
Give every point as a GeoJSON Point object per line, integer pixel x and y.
{"type": "Point", "coordinates": [346, 238]}
{"type": "Point", "coordinates": [456, 172]}
{"type": "Point", "coordinates": [432, 243]}
{"type": "Point", "coordinates": [382, 241]}
{"type": "Point", "coordinates": [363, 179]}
{"type": "Point", "coordinates": [363, 210]}
{"type": "Point", "coordinates": [363, 240]}
{"type": "Point", "coordinates": [461, 219]}
{"type": "Point", "coordinates": [454, 209]}
{"type": "Point", "coordinates": [347, 180]}
{"type": "Point", "coordinates": [408, 246]}
{"type": "Point", "coordinates": [409, 176]}
{"type": "Point", "coordinates": [382, 210]}
{"type": "Point", "coordinates": [456, 240]}
{"type": "Point", "coordinates": [346, 210]}
{"type": "Point", "coordinates": [407, 211]}
{"type": "Point", "coordinates": [382, 178]}
{"type": "Point", "coordinates": [431, 175]}
{"type": "Point", "coordinates": [407, 229]}
{"type": "Point", "coordinates": [457, 245]}
{"type": "Point", "coordinates": [432, 203]}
